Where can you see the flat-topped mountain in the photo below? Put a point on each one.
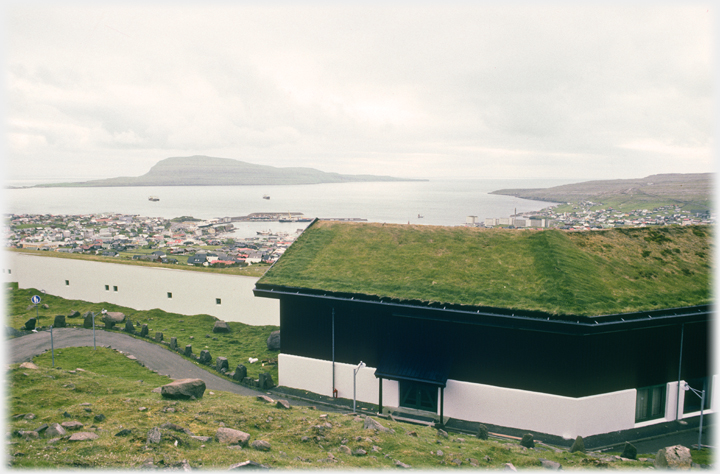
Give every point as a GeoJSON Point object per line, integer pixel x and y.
{"type": "Point", "coordinates": [208, 171]}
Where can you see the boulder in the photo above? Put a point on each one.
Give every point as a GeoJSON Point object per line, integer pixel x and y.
{"type": "Point", "coordinates": [673, 457]}
{"type": "Point", "coordinates": [221, 326]}
{"type": "Point", "coordinates": [30, 324]}
{"type": "Point", "coordinates": [55, 431]}
{"type": "Point", "coordinates": [248, 465]}
{"type": "Point", "coordinates": [59, 321]}
{"type": "Point", "coordinates": [552, 465]}
{"type": "Point", "coordinates": [74, 314]}
{"type": "Point", "coordinates": [240, 373]}
{"type": "Point", "coordinates": [115, 317]}
{"type": "Point", "coordinates": [260, 445]}
{"type": "Point", "coordinates": [71, 425]}
{"type": "Point", "coordinates": [154, 435]}
{"type": "Point", "coordinates": [88, 320]}
{"type": "Point", "coordinates": [158, 336]}
{"type": "Point", "coordinates": [273, 341]}
{"type": "Point", "coordinates": [345, 450]}
{"type": "Point", "coordinates": [129, 327]}
{"type": "Point", "coordinates": [265, 398]}
{"type": "Point", "coordinates": [183, 389]}
{"type": "Point", "coordinates": [144, 330]}
{"type": "Point", "coordinates": [29, 365]}
{"type": "Point", "coordinates": [265, 380]}
{"type": "Point", "coordinates": [629, 452]}
{"type": "Point", "coordinates": [188, 350]}
{"type": "Point", "coordinates": [283, 404]}
{"type": "Point", "coordinates": [231, 436]}
{"type": "Point", "coordinates": [482, 432]}
{"type": "Point", "coordinates": [99, 417]}
{"type": "Point", "coordinates": [578, 445]}
{"type": "Point", "coordinates": [205, 357]}
{"type": "Point", "coordinates": [45, 306]}
{"type": "Point", "coordinates": [372, 424]}
{"type": "Point", "coordinates": [124, 432]}
{"type": "Point", "coordinates": [222, 363]}
{"type": "Point", "coordinates": [527, 441]}
{"type": "Point", "coordinates": [173, 343]}
{"type": "Point", "coordinates": [109, 324]}
{"type": "Point", "coordinates": [83, 436]}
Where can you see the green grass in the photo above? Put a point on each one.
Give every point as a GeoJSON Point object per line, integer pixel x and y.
{"type": "Point", "coordinates": [242, 342]}
{"type": "Point", "coordinates": [582, 273]}
{"type": "Point", "coordinates": [118, 388]}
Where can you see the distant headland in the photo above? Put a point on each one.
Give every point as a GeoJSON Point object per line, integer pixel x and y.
{"type": "Point", "coordinates": [208, 171]}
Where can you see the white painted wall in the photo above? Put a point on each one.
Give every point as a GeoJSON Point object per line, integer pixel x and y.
{"type": "Point", "coordinates": [144, 288]}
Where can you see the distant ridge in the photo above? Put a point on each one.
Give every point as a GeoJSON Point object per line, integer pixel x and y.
{"type": "Point", "coordinates": [209, 171]}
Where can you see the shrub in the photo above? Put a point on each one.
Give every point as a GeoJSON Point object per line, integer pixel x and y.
{"type": "Point", "coordinates": [482, 432]}
{"type": "Point", "coordinates": [578, 445]}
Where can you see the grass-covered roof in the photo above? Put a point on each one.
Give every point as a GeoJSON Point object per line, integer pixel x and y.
{"type": "Point", "coordinates": [580, 273]}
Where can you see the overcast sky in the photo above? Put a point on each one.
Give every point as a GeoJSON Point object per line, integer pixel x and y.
{"type": "Point", "coordinates": [474, 90]}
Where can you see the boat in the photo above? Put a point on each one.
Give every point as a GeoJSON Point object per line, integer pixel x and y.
{"type": "Point", "coordinates": [264, 232]}
{"type": "Point", "coordinates": [420, 216]}
{"type": "Point", "coordinates": [153, 198]}
{"type": "Point", "coordinates": [266, 196]}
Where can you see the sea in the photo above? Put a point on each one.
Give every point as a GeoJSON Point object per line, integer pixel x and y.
{"type": "Point", "coordinates": [446, 202]}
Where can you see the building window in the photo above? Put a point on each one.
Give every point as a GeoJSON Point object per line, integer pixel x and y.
{"type": "Point", "coordinates": [218, 301]}
{"type": "Point", "coordinates": [67, 282]}
{"type": "Point", "coordinates": [650, 403]}
{"type": "Point", "coordinates": [9, 271]}
{"type": "Point", "coordinates": [417, 395]}
{"type": "Point", "coordinates": [107, 287]}
{"type": "Point", "coordinates": [169, 295]}
{"type": "Point", "coordinates": [692, 401]}
{"type": "Point", "coordinates": [114, 288]}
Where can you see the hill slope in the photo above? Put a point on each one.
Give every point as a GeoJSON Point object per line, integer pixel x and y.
{"type": "Point", "coordinates": [208, 171]}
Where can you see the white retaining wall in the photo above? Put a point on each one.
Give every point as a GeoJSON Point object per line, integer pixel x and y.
{"type": "Point", "coordinates": [545, 413]}
{"type": "Point", "coordinates": [144, 288]}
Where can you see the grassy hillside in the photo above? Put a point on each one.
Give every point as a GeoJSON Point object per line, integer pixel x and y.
{"type": "Point", "coordinates": [86, 383]}
{"type": "Point", "coordinates": [593, 273]}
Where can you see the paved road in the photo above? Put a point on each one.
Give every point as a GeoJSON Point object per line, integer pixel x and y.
{"type": "Point", "coordinates": [158, 358]}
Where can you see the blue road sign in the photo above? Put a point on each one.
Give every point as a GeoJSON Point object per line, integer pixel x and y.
{"type": "Point", "coordinates": [35, 299]}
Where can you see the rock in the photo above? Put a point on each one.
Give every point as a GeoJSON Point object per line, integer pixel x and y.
{"type": "Point", "coordinates": [440, 453]}
{"type": "Point", "coordinates": [124, 432]}
{"type": "Point", "coordinates": [221, 326]}
{"type": "Point", "coordinates": [188, 350]}
{"type": "Point", "coordinates": [265, 380]}
{"type": "Point", "coordinates": [183, 389]}
{"type": "Point", "coordinates": [88, 320]}
{"type": "Point", "coordinates": [71, 425]}
{"type": "Point", "coordinates": [29, 416]}
{"type": "Point", "coordinates": [482, 432]}
{"type": "Point", "coordinates": [509, 467]}
{"type": "Point", "coordinates": [74, 314]}
{"type": "Point", "coordinates": [273, 341]}
{"type": "Point", "coordinates": [54, 431]}
{"type": "Point", "coordinates": [442, 433]}
{"type": "Point", "coordinates": [221, 363]}
{"type": "Point", "coordinates": [144, 330]}
{"type": "Point", "coordinates": [629, 452]}
{"type": "Point", "coordinates": [203, 439]}
{"type": "Point", "coordinates": [30, 324]}
{"type": "Point", "coordinates": [231, 436]}
{"type": "Point", "coordinates": [578, 445]}
{"type": "Point", "coordinates": [673, 457]}
{"type": "Point", "coordinates": [345, 450]}
{"type": "Point", "coordinates": [248, 465]}
{"type": "Point", "coordinates": [173, 343]}
{"type": "Point", "coordinates": [174, 427]}
{"type": "Point", "coordinates": [527, 441]}
{"type": "Point", "coordinates": [83, 436]}
{"type": "Point", "coordinates": [99, 417]}
{"type": "Point", "coordinates": [154, 435]}
{"type": "Point", "coordinates": [205, 357]}
{"type": "Point", "coordinates": [129, 328]}
{"type": "Point", "coordinates": [29, 365]}
{"type": "Point", "coordinates": [45, 306]}
{"type": "Point", "coordinates": [284, 404]}
{"type": "Point", "coordinates": [260, 445]}
{"type": "Point", "coordinates": [158, 337]}
{"type": "Point", "coordinates": [372, 424]}
{"type": "Point", "coordinates": [41, 429]}
{"type": "Point", "coordinates": [547, 464]}
{"type": "Point", "coordinates": [265, 398]}
{"type": "Point", "coordinates": [240, 373]}
{"type": "Point", "coordinates": [59, 321]}
{"type": "Point", "coordinates": [359, 452]}
{"type": "Point", "coordinates": [114, 317]}
{"type": "Point", "coordinates": [109, 324]}
{"type": "Point", "coordinates": [401, 464]}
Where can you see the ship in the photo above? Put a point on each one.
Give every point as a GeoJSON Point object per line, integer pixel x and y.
{"type": "Point", "coordinates": [266, 197]}
{"type": "Point", "coordinates": [153, 198]}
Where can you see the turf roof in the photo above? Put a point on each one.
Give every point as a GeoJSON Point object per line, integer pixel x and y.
{"type": "Point", "coordinates": [581, 273]}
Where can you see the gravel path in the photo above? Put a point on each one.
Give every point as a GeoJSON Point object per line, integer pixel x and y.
{"type": "Point", "coordinates": [165, 362]}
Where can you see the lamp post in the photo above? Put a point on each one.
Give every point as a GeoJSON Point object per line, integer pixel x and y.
{"type": "Point", "coordinates": [701, 394]}
{"type": "Point", "coordinates": [355, 371]}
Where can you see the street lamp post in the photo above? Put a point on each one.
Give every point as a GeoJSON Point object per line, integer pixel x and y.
{"type": "Point", "coordinates": [701, 394]}
{"type": "Point", "coordinates": [355, 371]}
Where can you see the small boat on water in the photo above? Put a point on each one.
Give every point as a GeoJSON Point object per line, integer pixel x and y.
{"type": "Point", "coordinates": [264, 232]}
{"type": "Point", "coordinates": [420, 216]}
{"type": "Point", "coordinates": [266, 197]}
{"type": "Point", "coordinates": [153, 198]}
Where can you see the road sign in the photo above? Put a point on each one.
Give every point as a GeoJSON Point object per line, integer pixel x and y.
{"type": "Point", "coordinates": [35, 299]}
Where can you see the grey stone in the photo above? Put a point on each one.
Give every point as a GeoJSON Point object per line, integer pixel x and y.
{"type": "Point", "coordinates": [41, 429]}
{"type": "Point", "coordinates": [109, 324]}
{"type": "Point", "coordinates": [240, 373]}
{"type": "Point", "coordinates": [173, 343]}
{"type": "Point", "coordinates": [29, 365]}
{"type": "Point", "coordinates": [248, 465]}
{"type": "Point", "coordinates": [55, 430]}
{"type": "Point", "coordinates": [231, 436]}
{"type": "Point", "coordinates": [260, 445]}
{"type": "Point", "coordinates": [124, 432]}
{"type": "Point", "coordinates": [88, 320]}
{"type": "Point", "coordinates": [673, 457]}
{"type": "Point", "coordinates": [205, 357]}
{"type": "Point", "coordinates": [183, 389]}
{"type": "Point", "coordinates": [129, 327]}
{"type": "Point", "coordinates": [221, 363]}
{"type": "Point", "coordinates": [203, 439]}
{"type": "Point", "coordinates": [345, 450]}
{"type": "Point", "coordinates": [30, 324]}
{"type": "Point", "coordinates": [284, 404]}
{"type": "Point", "coordinates": [372, 424]}
{"type": "Point", "coordinates": [629, 452]}
{"type": "Point", "coordinates": [401, 464]}
{"type": "Point", "coordinates": [158, 336]}
{"type": "Point", "coordinates": [552, 465]}
{"type": "Point", "coordinates": [359, 452]}
{"type": "Point", "coordinates": [144, 330]}
{"type": "Point", "coordinates": [273, 341]}
{"type": "Point", "coordinates": [154, 435]}
{"type": "Point", "coordinates": [265, 380]}
{"type": "Point", "coordinates": [83, 436]}
{"type": "Point", "coordinates": [509, 467]}
{"type": "Point", "coordinates": [45, 306]}
{"type": "Point", "coordinates": [99, 417]}
{"type": "Point", "coordinates": [265, 398]}
{"type": "Point", "coordinates": [442, 433]}
{"type": "Point", "coordinates": [29, 434]}
{"type": "Point", "coordinates": [74, 314]}
{"type": "Point", "coordinates": [59, 321]}
{"type": "Point", "coordinates": [188, 350]}
{"type": "Point", "coordinates": [174, 427]}
{"type": "Point", "coordinates": [221, 327]}
{"type": "Point", "coordinates": [71, 425]}
{"type": "Point", "coordinates": [115, 317]}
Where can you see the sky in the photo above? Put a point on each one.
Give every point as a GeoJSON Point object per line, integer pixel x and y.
{"type": "Point", "coordinates": [422, 90]}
